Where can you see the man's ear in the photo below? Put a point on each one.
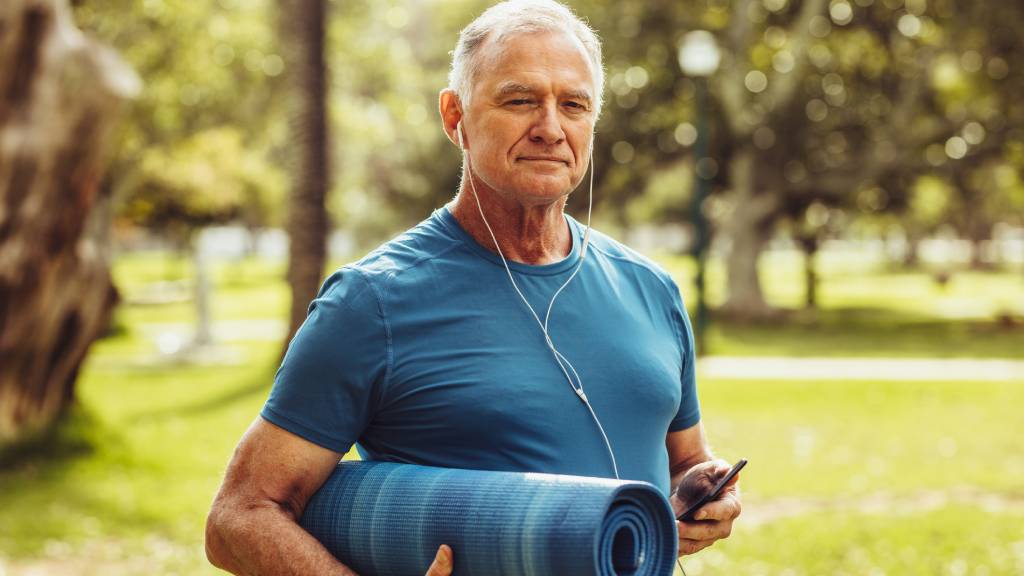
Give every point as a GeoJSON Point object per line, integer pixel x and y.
{"type": "Point", "coordinates": [451, 114]}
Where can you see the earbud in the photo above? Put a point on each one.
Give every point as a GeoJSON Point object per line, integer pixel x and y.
{"type": "Point", "coordinates": [458, 130]}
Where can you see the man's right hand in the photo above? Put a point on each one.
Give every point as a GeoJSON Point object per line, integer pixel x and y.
{"type": "Point", "coordinates": [442, 565]}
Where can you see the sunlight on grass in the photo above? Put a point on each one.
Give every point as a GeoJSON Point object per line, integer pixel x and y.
{"type": "Point", "coordinates": [848, 438]}
{"type": "Point", "coordinates": [949, 540]}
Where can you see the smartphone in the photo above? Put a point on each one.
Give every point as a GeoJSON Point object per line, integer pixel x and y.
{"type": "Point", "coordinates": [713, 493]}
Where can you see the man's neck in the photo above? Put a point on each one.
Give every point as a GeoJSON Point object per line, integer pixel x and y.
{"type": "Point", "coordinates": [533, 235]}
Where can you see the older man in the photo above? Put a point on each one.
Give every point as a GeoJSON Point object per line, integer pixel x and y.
{"type": "Point", "coordinates": [446, 346]}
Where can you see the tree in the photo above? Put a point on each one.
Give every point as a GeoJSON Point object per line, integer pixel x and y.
{"type": "Point", "coordinates": [212, 78]}
{"type": "Point", "coordinates": [196, 148]}
{"type": "Point", "coordinates": [209, 178]}
{"type": "Point", "coordinates": [59, 95]}
{"type": "Point", "coordinates": [303, 34]}
{"type": "Point", "coordinates": [837, 104]}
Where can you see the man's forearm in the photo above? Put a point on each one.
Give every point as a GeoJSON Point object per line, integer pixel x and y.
{"type": "Point", "coordinates": [686, 449]}
{"type": "Point", "coordinates": [266, 540]}
{"type": "Point", "coordinates": [679, 468]}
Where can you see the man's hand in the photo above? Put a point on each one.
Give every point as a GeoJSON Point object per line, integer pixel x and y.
{"type": "Point", "coordinates": [712, 521]}
{"type": "Point", "coordinates": [442, 565]}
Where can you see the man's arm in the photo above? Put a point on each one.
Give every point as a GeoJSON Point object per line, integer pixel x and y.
{"type": "Point", "coordinates": [690, 456]}
{"type": "Point", "coordinates": [253, 523]}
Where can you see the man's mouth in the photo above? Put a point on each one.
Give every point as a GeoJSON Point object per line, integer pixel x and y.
{"type": "Point", "coordinates": [543, 159]}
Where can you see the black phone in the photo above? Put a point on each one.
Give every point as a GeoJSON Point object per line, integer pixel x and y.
{"type": "Point", "coordinates": [713, 493]}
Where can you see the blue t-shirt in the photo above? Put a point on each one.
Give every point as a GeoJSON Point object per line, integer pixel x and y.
{"type": "Point", "coordinates": [423, 353]}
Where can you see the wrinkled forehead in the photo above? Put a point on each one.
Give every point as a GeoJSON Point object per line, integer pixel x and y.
{"type": "Point", "coordinates": [506, 51]}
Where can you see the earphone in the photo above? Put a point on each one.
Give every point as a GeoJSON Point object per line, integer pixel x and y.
{"type": "Point", "coordinates": [577, 386]}
{"type": "Point", "coordinates": [562, 361]}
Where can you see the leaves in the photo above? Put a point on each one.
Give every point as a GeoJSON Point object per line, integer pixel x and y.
{"type": "Point", "coordinates": [845, 102]}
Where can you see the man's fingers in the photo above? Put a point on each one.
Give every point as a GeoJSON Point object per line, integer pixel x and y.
{"type": "Point", "coordinates": [677, 505]}
{"type": "Point", "coordinates": [704, 530]}
{"type": "Point", "coordinates": [721, 467]}
{"type": "Point", "coordinates": [726, 508]}
{"type": "Point", "coordinates": [687, 546]}
{"type": "Point", "coordinates": [442, 565]}
{"type": "Point", "coordinates": [732, 481]}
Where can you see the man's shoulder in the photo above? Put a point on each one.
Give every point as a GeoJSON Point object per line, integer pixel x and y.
{"type": "Point", "coordinates": [405, 253]}
{"type": "Point", "coordinates": [623, 256]}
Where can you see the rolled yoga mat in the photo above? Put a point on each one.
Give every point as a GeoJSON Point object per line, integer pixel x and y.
{"type": "Point", "coordinates": [386, 519]}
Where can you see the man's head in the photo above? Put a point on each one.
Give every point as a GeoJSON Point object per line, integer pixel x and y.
{"type": "Point", "coordinates": [518, 17]}
{"type": "Point", "coordinates": [526, 84]}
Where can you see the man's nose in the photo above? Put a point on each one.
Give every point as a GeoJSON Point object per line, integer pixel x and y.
{"type": "Point", "coordinates": [546, 129]}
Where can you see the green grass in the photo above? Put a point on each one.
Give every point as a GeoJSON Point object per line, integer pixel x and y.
{"type": "Point", "coordinates": [866, 333]}
{"type": "Point", "coordinates": [845, 439]}
{"type": "Point", "coordinates": [866, 310]}
{"type": "Point", "coordinates": [860, 282]}
{"type": "Point", "coordinates": [167, 434]}
{"type": "Point", "coordinates": [147, 452]}
{"type": "Point", "coordinates": [946, 541]}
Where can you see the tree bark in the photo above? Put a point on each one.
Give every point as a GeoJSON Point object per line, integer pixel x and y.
{"type": "Point", "coordinates": [59, 95]}
{"type": "Point", "coordinates": [749, 228]}
{"type": "Point", "coordinates": [302, 25]}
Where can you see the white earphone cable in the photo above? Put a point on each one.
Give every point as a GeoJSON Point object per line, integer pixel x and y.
{"type": "Point", "coordinates": [562, 361]}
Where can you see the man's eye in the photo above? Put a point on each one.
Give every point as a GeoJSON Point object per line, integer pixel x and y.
{"type": "Point", "coordinates": [576, 105]}
{"type": "Point", "coordinates": [518, 102]}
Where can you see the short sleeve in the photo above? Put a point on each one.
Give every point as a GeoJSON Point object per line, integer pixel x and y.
{"type": "Point", "coordinates": [329, 382]}
{"type": "Point", "coordinates": [689, 407]}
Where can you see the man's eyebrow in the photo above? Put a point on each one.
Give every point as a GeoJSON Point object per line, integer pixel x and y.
{"type": "Point", "coordinates": [579, 95]}
{"type": "Point", "coordinates": [510, 88]}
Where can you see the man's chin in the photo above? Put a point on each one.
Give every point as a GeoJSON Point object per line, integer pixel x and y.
{"type": "Point", "coordinates": [544, 191]}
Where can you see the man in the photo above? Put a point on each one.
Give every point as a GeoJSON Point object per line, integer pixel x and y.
{"type": "Point", "coordinates": [444, 347]}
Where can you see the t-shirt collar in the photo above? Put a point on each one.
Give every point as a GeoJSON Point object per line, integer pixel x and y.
{"type": "Point", "coordinates": [447, 219]}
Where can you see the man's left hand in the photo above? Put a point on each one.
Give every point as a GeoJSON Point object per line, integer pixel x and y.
{"type": "Point", "coordinates": [712, 521]}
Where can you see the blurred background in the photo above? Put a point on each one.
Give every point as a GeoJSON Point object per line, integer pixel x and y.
{"type": "Point", "coordinates": [836, 185]}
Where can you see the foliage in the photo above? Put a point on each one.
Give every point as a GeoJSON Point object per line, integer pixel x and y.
{"type": "Point", "coordinates": [205, 179]}
{"type": "Point", "coordinates": [880, 94]}
{"type": "Point", "coordinates": [208, 71]}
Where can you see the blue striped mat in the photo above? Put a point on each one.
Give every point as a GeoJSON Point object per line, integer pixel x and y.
{"type": "Point", "coordinates": [385, 519]}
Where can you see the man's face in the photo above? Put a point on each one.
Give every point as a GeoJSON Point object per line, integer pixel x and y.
{"type": "Point", "coordinates": [531, 118]}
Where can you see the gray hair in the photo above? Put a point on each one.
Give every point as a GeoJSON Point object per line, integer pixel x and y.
{"type": "Point", "coordinates": [521, 17]}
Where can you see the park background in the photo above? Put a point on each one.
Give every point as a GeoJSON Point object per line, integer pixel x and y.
{"type": "Point", "coordinates": [846, 176]}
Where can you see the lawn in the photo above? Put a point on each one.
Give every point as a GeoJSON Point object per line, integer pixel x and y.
{"type": "Point", "coordinates": [844, 477]}
{"type": "Point", "coordinates": [866, 310]}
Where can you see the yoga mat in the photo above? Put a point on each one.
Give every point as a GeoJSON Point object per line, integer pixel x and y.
{"type": "Point", "coordinates": [386, 519]}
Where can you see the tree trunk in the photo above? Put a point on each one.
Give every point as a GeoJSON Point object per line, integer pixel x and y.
{"type": "Point", "coordinates": [201, 269]}
{"type": "Point", "coordinates": [978, 255]}
{"type": "Point", "coordinates": [977, 234]}
{"type": "Point", "coordinates": [59, 94]}
{"type": "Point", "coordinates": [749, 229]}
{"type": "Point", "coordinates": [302, 39]}
{"type": "Point", "coordinates": [911, 256]}
{"type": "Point", "coordinates": [809, 246]}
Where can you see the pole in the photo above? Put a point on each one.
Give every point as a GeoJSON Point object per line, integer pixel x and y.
{"type": "Point", "coordinates": [700, 226]}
